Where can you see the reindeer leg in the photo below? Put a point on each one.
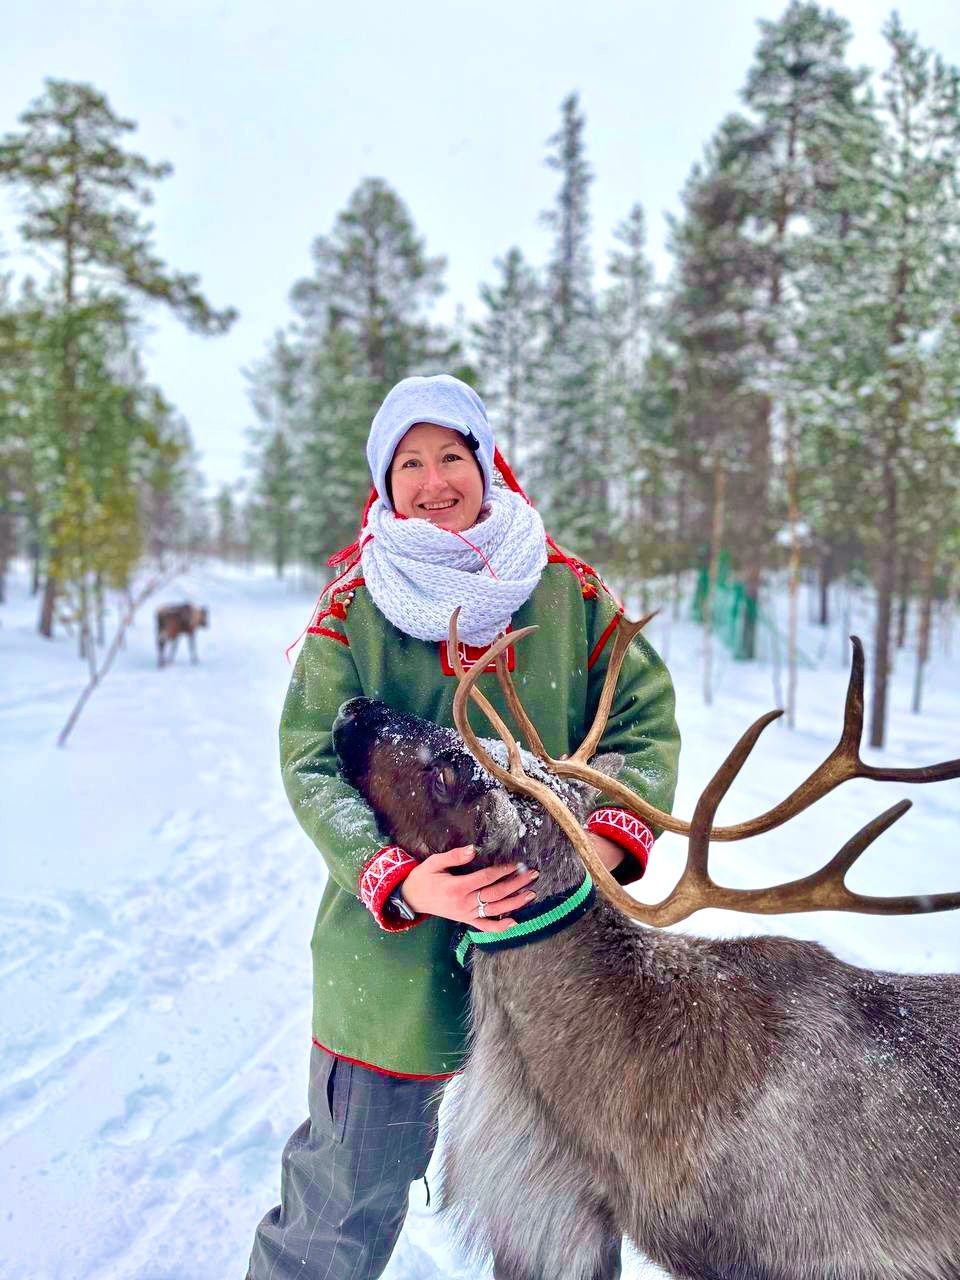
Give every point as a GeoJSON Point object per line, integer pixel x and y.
{"type": "Point", "coordinates": [529, 1201]}
{"type": "Point", "coordinates": [608, 1267]}
{"type": "Point", "coordinates": [192, 635]}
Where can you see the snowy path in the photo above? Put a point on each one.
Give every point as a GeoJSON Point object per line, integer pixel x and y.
{"type": "Point", "coordinates": [157, 902]}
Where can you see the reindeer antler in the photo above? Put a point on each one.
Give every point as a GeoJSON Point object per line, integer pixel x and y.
{"type": "Point", "coordinates": [823, 890]}
{"type": "Point", "coordinates": [844, 761]}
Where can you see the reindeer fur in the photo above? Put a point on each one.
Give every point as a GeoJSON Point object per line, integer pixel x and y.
{"type": "Point", "coordinates": [745, 1109]}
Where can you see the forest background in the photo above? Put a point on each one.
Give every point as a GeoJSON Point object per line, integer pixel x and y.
{"type": "Point", "coordinates": [784, 405]}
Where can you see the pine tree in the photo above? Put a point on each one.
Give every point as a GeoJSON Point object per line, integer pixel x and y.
{"type": "Point", "coordinates": [803, 97]}
{"type": "Point", "coordinates": [879, 299]}
{"type": "Point", "coordinates": [79, 189]}
{"type": "Point", "coordinates": [917, 223]}
{"type": "Point", "coordinates": [14, 450]}
{"type": "Point", "coordinates": [713, 324]}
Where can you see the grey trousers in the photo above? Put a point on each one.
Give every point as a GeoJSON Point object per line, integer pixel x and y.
{"type": "Point", "coordinates": [346, 1174]}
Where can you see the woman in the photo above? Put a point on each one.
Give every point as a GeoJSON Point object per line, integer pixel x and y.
{"type": "Point", "coordinates": [390, 1001]}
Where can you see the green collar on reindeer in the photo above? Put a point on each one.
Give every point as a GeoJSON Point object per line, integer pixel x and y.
{"type": "Point", "coordinates": [534, 923]}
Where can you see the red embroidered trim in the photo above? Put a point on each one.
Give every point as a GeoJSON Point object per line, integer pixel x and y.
{"type": "Point", "coordinates": [577, 567]}
{"type": "Point", "coordinates": [318, 615]}
{"type": "Point", "coordinates": [581, 569]}
{"type": "Point", "coordinates": [471, 653]}
{"type": "Point", "coordinates": [379, 878]}
{"type": "Point", "coordinates": [325, 631]}
{"type": "Point", "coordinates": [626, 830]}
{"type": "Point", "coordinates": [383, 1071]}
{"type": "Point", "coordinates": [337, 608]}
{"type": "Point", "coordinates": [598, 647]}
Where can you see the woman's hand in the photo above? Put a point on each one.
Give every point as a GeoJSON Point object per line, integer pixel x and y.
{"type": "Point", "coordinates": [608, 851]}
{"type": "Point", "coordinates": [432, 888]}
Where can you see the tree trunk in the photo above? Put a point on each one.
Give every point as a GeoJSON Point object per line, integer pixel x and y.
{"type": "Point", "coordinates": [826, 577]}
{"type": "Point", "coordinates": [923, 635]}
{"type": "Point", "coordinates": [716, 537]}
{"type": "Point", "coordinates": [947, 611]}
{"type": "Point", "coordinates": [891, 432]}
{"type": "Point", "coordinates": [83, 630]}
{"type": "Point", "coordinates": [903, 608]}
{"type": "Point", "coordinates": [7, 530]}
{"type": "Point", "coordinates": [678, 543]}
{"type": "Point", "coordinates": [88, 648]}
{"type": "Point", "coordinates": [48, 605]}
{"type": "Point", "coordinates": [793, 573]}
{"type": "Point", "coordinates": [748, 637]}
{"type": "Point", "coordinates": [845, 623]}
{"type": "Point", "coordinates": [885, 590]}
{"type": "Point", "coordinates": [101, 610]}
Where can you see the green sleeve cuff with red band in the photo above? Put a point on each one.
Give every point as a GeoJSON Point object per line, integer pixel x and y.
{"type": "Point", "coordinates": [378, 879]}
{"type": "Point", "coordinates": [629, 832]}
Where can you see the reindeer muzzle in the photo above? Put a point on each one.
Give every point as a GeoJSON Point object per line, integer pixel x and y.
{"type": "Point", "coordinates": [349, 710]}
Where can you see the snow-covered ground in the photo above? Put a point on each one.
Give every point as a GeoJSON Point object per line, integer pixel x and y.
{"type": "Point", "coordinates": [157, 900]}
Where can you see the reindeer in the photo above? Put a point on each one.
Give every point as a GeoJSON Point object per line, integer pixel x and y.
{"type": "Point", "coordinates": [741, 1109]}
{"type": "Point", "coordinates": [175, 620]}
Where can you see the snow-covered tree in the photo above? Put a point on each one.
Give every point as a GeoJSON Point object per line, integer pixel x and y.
{"type": "Point", "coordinates": [571, 458]}
{"type": "Point", "coordinates": [508, 342]}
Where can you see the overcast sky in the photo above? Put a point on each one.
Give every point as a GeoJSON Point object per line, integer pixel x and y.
{"type": "Point", "coordinates": [271, 116]}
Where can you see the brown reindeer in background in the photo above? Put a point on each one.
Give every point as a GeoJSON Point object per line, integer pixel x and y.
{"type": "Point", "coordinates": [175, 620]}
{"type": "Point", "coordinates": [741, 1109]}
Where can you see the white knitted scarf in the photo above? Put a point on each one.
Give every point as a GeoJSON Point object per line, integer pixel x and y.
{"type": "Point", "coordinates": [418, 573]}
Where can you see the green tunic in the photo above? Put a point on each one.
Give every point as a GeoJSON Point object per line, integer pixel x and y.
{"type": "Point", "coordinates": [398, 1001]}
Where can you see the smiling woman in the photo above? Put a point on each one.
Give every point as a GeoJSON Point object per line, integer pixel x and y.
{"type": "Point", "coordinates": [435, 476]}
{"type": "Point", "coordinates": [439, 533]}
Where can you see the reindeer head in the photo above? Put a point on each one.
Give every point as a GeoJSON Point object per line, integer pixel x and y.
{"type": "Point", "coordinates": [822, 890]}
{"type": "Point", "coordinates": [431, 794]}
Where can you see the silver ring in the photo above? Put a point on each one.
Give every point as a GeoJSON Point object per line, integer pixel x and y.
{"type": "Point", "coordinates": [481, 907]}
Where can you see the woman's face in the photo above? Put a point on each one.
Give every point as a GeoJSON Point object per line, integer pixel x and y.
{"type": "Point", "coordinates": [435, 477]}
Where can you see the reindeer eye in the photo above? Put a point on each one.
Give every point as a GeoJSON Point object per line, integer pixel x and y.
{"type": "Point", "coordinates": [444, 783]}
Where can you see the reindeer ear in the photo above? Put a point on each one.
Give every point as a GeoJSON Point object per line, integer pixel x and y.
{"type": "Point", "coordinates": [610, 763]}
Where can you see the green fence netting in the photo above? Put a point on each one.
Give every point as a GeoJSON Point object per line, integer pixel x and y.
{"type": "Point", "coordinates": [736, 616]}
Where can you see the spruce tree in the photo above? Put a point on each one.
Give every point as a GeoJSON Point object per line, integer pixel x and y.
{"type": "Point", "coordinates": [373, 278]}
{"type": "Point", "coordinates": [625, 316]}
{"type": "Point", "coordinates": [803, 98]}
{"type": "Point", "coordinates": [572, 446]}
{"type": "Point", "coordinates": [273, 385]}
{"type": "Point", "coordinates": [226, 535]}
{"type": "Point", "coordinates": [362, 323]}
{"type": "Point", "coordinates": [880, 303]}
{"type": "Point", "coordinates": [508, 342]}
{"type": "Point", "coordinates": [335, 417]}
